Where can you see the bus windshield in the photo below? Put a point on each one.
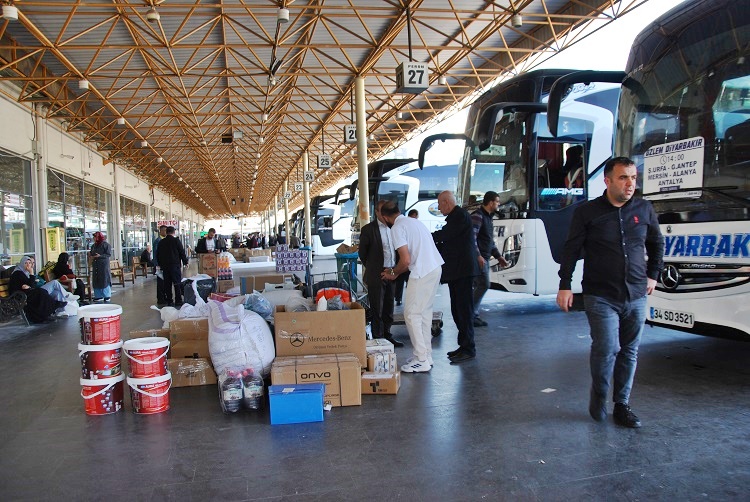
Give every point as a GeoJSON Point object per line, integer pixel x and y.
{"type": "Point", "coordinates": [690, 135]}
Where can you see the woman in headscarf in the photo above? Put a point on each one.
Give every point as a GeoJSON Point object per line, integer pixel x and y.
{"type": "Point", "coordinates": [40, 304]}
{"type": "Point", "coordinates": [64, 274]}
{"type": "Point", "coordinates": [101, 277]}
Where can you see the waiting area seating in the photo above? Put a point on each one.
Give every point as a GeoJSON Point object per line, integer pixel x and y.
{"type": "Point", "coordinates": [11, 305]}
{"type": "Point", "coordinates": [119, 274]}
{"type": "Point", "coordinates": [139, 266]}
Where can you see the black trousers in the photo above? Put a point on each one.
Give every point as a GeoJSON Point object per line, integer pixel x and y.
{"type": "Point", "coordinates": [380, 294]}
{"type": "Point", "coordinates": [172, 280]}
{"type": "Point", "coordinates": [462, 309]}
{"type": "Point", "coordinates": [161, 296]}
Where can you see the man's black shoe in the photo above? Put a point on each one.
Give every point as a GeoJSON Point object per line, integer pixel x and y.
{"type": "Point", "coordinates": [461, 357]}
{"type": "Point", "coordinates": [398, 302]}
{"type": "Point", "coordinates": [395, 342]}
{"type": "Point", "coordinates": [479, 322]}
{"type": "Point", "coordinates": [597, 406]}
{"type": "Point", "coordinates": [625, 417]}
{"type": "Point", "coordinates": [454, 353]}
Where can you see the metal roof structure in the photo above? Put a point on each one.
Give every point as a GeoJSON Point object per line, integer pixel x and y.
{"type": "Point", "coordinates": [214, 100]}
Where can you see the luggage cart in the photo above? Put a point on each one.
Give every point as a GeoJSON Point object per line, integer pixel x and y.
{"type": "Point", "coordinates": [437, 321]}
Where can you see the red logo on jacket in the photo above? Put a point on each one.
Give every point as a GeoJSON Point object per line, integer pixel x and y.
{"type": "Point", "coordinates": [635, 219]}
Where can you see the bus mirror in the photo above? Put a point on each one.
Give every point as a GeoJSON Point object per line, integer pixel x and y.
{"type": "Point", "coordinates": [562, 85]}
{"type": "Point", "coordinates": [429, 142]}
{"type": "Point", "coordinates": [489, 118]}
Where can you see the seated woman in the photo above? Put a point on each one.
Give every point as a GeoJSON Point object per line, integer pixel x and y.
{"type": "Point", "coordinates": [64, 274]}
{"type": "Point", "coordinates": [40, 304]}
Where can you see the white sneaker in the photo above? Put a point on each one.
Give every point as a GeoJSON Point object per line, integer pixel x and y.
{"type": "Point", "coordinates": [413, 358]}
{"type": "Point", "coordinates": [414, 365]}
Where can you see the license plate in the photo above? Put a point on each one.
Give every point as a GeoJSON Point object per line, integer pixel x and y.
{"type": "Point", "coordinates": [684, 319]}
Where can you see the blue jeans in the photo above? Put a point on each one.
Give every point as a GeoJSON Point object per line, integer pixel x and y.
{"type": "Point", "coordinates": [616, 329]}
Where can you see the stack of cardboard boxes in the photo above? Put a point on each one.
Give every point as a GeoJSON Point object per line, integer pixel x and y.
{"type": "Point", "coordinates": [208, 263]}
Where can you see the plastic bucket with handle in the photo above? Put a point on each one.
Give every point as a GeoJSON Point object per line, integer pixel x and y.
{"type": "Point", "coordinates": [150, 395]}
{"type": "Point", "coordinates": [100, 361]}
{"type": "Point", "coordinates": [102, 396]}
{"type": "Point", "coordinates": [147, 356]}
{"type": "Point", "coordinates": [100, 324]}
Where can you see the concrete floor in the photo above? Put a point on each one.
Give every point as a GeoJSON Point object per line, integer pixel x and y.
{"type": "Point", "coordinates": [510, 425]}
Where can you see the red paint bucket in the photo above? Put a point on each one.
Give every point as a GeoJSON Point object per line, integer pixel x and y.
{"type": "Point", "coordinates": [148, 356]}
{"type": "Point", "coordinates": [150, 395]}
{"type": "Point", "coordinates": [100, 324]}
{"type": "Point", "coordinates": [100, 361]}
{"type": "Point", "coordinates": [102, 396]}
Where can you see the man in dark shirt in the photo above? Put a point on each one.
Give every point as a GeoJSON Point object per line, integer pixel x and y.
{"type": "Point", "coordinates": [161, 296]}
{"type": "Point", "coordinates": [458, 248]}
{"type": "Point", "coordinates": [623, 250]}
{"type": "Point", "coordinates": [171, 255]}
{"type": "Point", "coordinates": [481, 220]}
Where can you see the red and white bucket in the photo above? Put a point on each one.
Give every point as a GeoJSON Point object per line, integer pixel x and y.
{"type": "Point", "coordinates": [148, 356]}
{"type": "Point", "coordinates": [150, 395]}
{"type": "Point", "coordinates": [100, 324]}
{"type": "Point", "coordinates": [102, 396]}
{"type": "Point", "coordinates": [100, 361]}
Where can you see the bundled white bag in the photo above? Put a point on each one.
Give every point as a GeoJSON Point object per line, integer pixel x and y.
{"type": "Point", "coordinates": [239, 338]}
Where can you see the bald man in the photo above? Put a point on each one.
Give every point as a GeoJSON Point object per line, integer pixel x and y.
{"type": "Point", "coordinates": [458, 247]}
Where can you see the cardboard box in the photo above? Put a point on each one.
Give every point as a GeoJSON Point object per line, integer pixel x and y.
{"type": "Point", "coordinates": [224, 286]}
{"type": "Point", "coordinates": [327, 332]}
{"type": "Point", "coordinates": [381, 362]}
{"type": "Point", "coordinates": [194, 349]}
{"type": "Point", "coordinates": [340, 373]}
{"type": "Point", "coordinates": [346, 249]}
{"type": "Point", "coordinates": [251, 283]}
{"type": "Point", "coordinates": [191, 372]}
{"type": "Point", "coordinates": [379, 345]}
{"type": "Point", "coordinates": [149, 332]}
{"type": "Point", "coordinates": [296, 404]}
{"type": "Point", "coordinates": [381, 383]}
{"type": "Point", "coordinates": [207, 264]}
{"type": "Point", "coordinates": [188, 329]}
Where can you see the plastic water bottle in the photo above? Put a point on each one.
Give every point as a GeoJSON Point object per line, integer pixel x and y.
{"type": "Point", "coordinates": [231, 393]}
{"type": "Point", "coordinates": [252, 390]}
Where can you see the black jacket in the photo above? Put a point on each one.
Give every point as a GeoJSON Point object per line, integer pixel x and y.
{"type": "Point", "coordinates": [457, 247]}
{"type": "Point", "coordinates": [371, 252]}
{"type": "Point", "coordinates": [171, 252]}
{"type": "Point", "coordinates": [200, 246]}
{"type": "Point", "coordinates": [615, 242]}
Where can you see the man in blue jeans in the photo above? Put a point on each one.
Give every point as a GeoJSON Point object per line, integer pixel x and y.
{"type": "Point", "coordinates": [623, 249]}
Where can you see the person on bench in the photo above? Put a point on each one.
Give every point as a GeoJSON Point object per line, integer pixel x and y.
{"type": "Point", "coordinates": [67, 278]}
{"type": "Point", "coordinates": [40, 303]}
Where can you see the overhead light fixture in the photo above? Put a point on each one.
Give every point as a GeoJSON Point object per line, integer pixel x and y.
{"type": "Point", "coordinates": [442, 80]}
{"type": "Point", "coordinates": [372, 137]}
{"type": "Point", "coordinates": [144, 143]}
{"type": "Point", "coordinates": [203, 142]}
{"type": "Point", "coordinates": [265, 117]}
{"type": "Point", "coordinates": [159, 160]}
{"type": "Point", "coordinates": [10, 12]}
{"type": "Point", "coordinates": [262, 140]}
{"type": "Point", "coordinates": [234, 202]}
{"type": "Point", "coordinates": [516, 20]}
{"type": "Point", "coordinates": [271, 80]}
{"type": "Point", "coordinates": [399, 115]}
{"type": "Point", "coordinates": [120, 120]}
{"type": "Point", "coordinates": [152, 15]}
{"type": "Point", "coordinates": [171, 170]}
{"type": "Point", "coordinates": [179, 179]}
{"type": "Point", "coordinates": [83, 84]}
{"type": "Point", "coordinates": [282, 16]}
{"type": "Point", "coordinates": [257, 154]}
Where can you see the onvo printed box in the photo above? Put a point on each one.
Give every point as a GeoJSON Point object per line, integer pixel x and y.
{"type": "Point", "coordinates": [327, 332]}
{"type": "Point", "coordinates": [340, 374]}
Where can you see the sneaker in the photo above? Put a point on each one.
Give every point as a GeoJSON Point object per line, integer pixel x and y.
{"type": "Point", "coordinates": [625, 417]}
{"type": "Point", "coordinates": [413, 358]}
{"type": "Point", "coordinates": [414, 365]}
{"type": "Point", "coordinates": [479, 322]}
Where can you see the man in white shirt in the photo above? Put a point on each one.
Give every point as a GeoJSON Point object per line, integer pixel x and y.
{"type": "Point", "coordinates": [418, 254]}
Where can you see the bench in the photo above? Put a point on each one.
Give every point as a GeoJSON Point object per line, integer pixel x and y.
{"type": "Point", "coordinates": [120, 273]}
{"type": "Point", "coordinates": [70, 286]}
{"type": "Point", "coordinates": [139, 266]}
{"type": "Point", "coordinates": [11, 305]}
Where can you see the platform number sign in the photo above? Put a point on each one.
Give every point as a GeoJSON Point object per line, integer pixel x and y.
{"type": "Point", "coordinates": [297, 186]}
{"type": "Point", "coordinates": [324, 161]}
{"type": "Point", "coordinates": [279, 205]}
{"type": "Point", "coordinates": [350, 133]}
{"type": "Point", "coordinates": [309, 176]}
{"type": "Point", "coordinates": [288, 195]}
{"type": "Point", "coordinates": [411, 77]}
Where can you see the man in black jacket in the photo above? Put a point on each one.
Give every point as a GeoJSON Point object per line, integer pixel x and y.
{"type": "Point", "coordinates": [623, 247]}
{"type": "Point", "coordinates": [377, 254]}
{"type": "Point", "coordinates": [171, 255]}
{"type": "Point", "coordinates": [482, 222]}
{"type": "Point", "coordinates": [210, 243]}
{"type": "Point", "coordinates": [458, 247]}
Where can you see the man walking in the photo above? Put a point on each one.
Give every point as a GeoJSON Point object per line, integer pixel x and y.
{"type": "Point", "coordinates": [171, 256]}
{"type": "Point", "coordinates": [418, 254]}
{"type": "Point", "coordinates": [459, 250]}
{"type": "Point", "coordinates": [161, 296]}
{"type": "Point", "coordinates": [481, 220]}
{"type": "Point", "coordinates": [623, 249]}
{"type": "Point", "coordinates": [378, 255]}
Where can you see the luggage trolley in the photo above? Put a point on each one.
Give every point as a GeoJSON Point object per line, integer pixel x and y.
{"type": "Point", "coordinates": [346, 280]}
